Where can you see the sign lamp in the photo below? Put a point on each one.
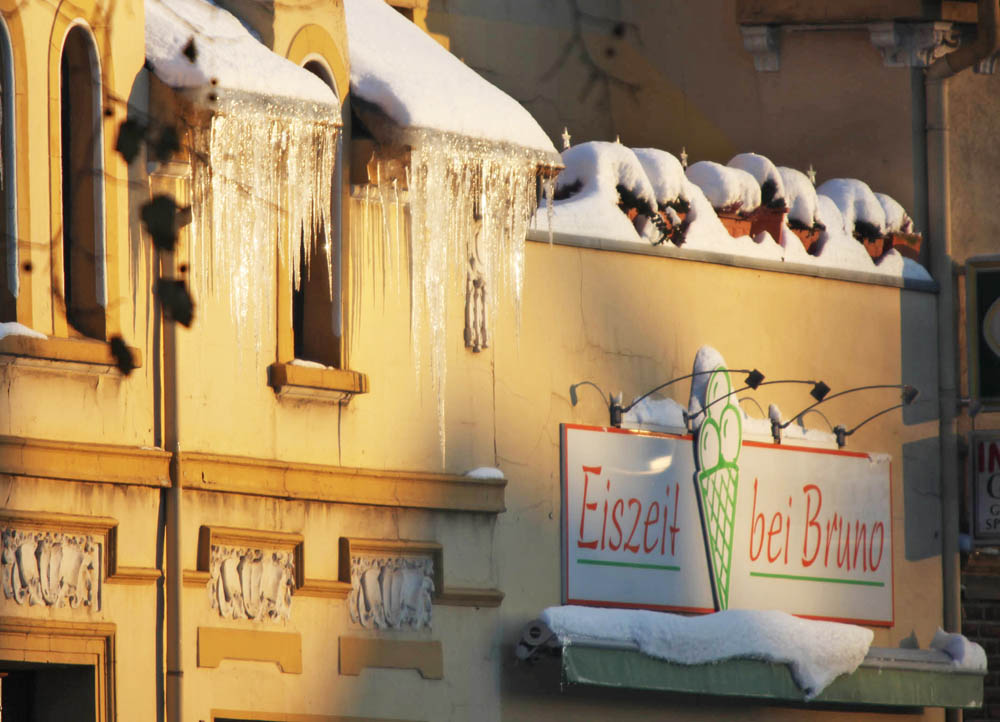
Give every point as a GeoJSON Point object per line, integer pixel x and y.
{"type": "Point", "coordinates": [909, 395]}
{"type": "Point", "coordinates": [818, 391]}
{"type": "Point", "coordinates": [616, 411]}
{"type": "Point", "coordinates": [777, 428]}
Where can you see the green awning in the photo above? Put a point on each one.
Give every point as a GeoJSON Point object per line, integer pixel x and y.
{"type": "Point", "coordinates": [887, 678]}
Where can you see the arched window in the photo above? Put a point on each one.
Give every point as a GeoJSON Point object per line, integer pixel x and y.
{"type": "Point", "coordinates": [8, 183]}
{"type": "Point", "coordinates": [315, 305]}
{"type": "Point", "coordinates": [83, 282]}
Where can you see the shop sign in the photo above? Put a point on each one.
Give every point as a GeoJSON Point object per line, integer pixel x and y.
{"type": "Point", "coordinates": [986, 486]}
{"type": "Point", "coordinates": [983, 332]}
{"type": "Point", "coordinates": [650, 522]}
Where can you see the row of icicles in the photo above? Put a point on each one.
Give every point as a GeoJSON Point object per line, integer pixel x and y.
{"type": "Point", "coordinates": [466, 198]}
{"type": "Point", "coordinates": [269, 173]}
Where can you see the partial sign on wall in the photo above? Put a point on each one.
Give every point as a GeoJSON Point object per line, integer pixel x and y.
{"type": "Point", "coordinates": [982, 312]}
{"type": "Point", "coordinates": [809, 530]}
{"type": "Point", "coordinates": [985, 469]}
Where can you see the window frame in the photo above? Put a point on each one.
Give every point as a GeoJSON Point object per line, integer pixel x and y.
{"type": "Point", "coordinates": [96, 286]}
{"type": "Point", "coordinates": [337, 383]}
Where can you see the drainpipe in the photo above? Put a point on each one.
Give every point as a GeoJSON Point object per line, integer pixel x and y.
{"type": "Point", "coordinates": [175, 579]}
{"type": "Point", "coordinates": [942, 266]}
{"type": "Point", "coordinates": [986, 43]}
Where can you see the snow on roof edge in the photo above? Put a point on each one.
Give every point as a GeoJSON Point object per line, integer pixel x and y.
{"type": "Point", "coordinates": [385, 128]}
{"type": "Point", "coordinates": [226, 55]}
{"type": "Point", "coordinates": [419, 84]}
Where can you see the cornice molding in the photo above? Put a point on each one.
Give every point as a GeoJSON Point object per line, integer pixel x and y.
{"type": "Point", "coordinates": [83, 461]}
{"type": "Point", "coordinates": [315, 482]}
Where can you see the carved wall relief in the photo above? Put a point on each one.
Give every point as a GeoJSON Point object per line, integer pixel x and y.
{"type": "Point", "coordinates": [248, 583]}
{"type": "Point", "coordinates": [51, 568]}
{"type": "Point", "coordinates": [391, 592]}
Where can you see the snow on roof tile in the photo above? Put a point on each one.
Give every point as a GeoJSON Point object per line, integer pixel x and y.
{"type": "Point", "coordinates": [223, 52]}
{"type": "Point", "coordinates": [856, 202]}
{"type": "Point", "coordinates": [665, 173]}
{"type": "Point", "coordinates": [593, 173]}
{"type": "Point", "coordinates": [729, 189]}
{"type": "Point", "coordinates": [593, 211]}
{"type": "Point", "coordinates": [420, 85]}
{"type": "Point", "coordinates": [772, 189]}
{"type": "Point", "coordinates": [896, 218]}
{"type": "Point", "coordinates": [800, 195]}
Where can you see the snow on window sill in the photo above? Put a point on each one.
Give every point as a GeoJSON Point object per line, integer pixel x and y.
{"type": "Point", "coordinates": [291, 380]}
{"type": "Point", "coordinates": [89, 352]}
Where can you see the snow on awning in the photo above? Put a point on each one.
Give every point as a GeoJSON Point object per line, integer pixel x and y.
{"type": "Point", "coordinates": [192, 44]}
{"type": "Point", "coordinates": [418, 85]}
{"type": "Point", "coordinates": [766, 655]}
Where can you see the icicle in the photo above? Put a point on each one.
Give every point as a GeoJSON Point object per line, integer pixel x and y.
{"type": "Point", "coordinates": [457, 188]}
{"type": "Point", "coordinates": [263, 172]}
{"type": "Point", "coordinates": [399, 233]}
{"type": "Point", "coordinates": [549, 189]}
{"type": "Point", "coordinates": [452, 179]}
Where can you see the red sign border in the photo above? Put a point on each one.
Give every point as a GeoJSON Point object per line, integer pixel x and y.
{"type": "Point", "coordinates": [564, 486]}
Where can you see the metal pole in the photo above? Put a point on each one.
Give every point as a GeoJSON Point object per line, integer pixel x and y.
{"type": "Point", "coordinates": [174, 576]}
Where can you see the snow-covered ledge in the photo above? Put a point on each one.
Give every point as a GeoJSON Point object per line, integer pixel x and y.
{"type": "Point", "coordinates": [541, 235]}
{"type": "Point", "coordinates": [767, 655]}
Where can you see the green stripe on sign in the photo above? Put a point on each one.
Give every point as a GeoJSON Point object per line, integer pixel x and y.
{"type": "Point", "coordinates": [832, 580]}
{"type": "Point", "coordinates": [634, 565]}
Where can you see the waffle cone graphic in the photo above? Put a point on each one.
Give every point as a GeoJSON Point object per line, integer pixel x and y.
{"type": "Point", "coordinates": [719, 440]}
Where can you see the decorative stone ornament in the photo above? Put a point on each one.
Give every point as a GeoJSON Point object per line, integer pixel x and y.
{"type": "Point", "coordinates": [763, 42]}
{"type": "Point", "coordinates": [51, 568]}
{"type": "Point", "coordinates": [913, 45]}
{"type": "Point", "coordinates": [391, 592]}
{"type": "Point", "coordinates": [249, 583]}
{"type": "Point", "coordinates": [902, 44]}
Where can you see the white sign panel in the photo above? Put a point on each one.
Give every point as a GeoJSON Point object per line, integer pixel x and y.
{"type": "Point", "coordinates": [757, 526]}
{"type": "Point", "coordinates": [813, 533]}
{"type": "Point", "coordinates": [633, 533]}
{"type": "Point", "coordinates": [986, 486]}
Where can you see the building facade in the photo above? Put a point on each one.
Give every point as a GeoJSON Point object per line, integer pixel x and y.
{"type": "Point", "coordinates": [336, 492]}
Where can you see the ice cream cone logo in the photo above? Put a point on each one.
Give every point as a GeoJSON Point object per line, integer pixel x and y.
{"type": "Point", "coordinates": [719, 440]}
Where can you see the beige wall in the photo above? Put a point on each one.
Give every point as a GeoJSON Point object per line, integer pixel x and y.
{"type": "Point", "coordinates": [680, 77]}
{"type": "Point", "coordinates": [630, 322]}
{"type": "Point", "coordinates": [974, 106]}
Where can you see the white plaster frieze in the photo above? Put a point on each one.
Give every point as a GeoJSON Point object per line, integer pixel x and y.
{"type": "Point", "coordinates": [391, 592]}
{"type": "Point", "coordinates": [51, 568]}
{"type": "Point", "coordinates": [249, 583]}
